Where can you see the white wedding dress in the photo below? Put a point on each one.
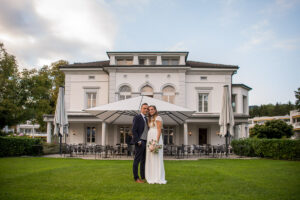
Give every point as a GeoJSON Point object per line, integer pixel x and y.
{"type": "Point", "coordinates": [154, 167]}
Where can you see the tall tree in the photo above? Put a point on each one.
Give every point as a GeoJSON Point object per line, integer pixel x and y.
{"type": "Point", "coordinates": [297, 95]}
{"type": "Point", "coordinates": [271, 110]}
{"type": "Point", "coordinates": [42, 88]}
{"type": "Point", "coordinates": [58, 79]}
{"type": "Point", "coordinates": [11, 96]}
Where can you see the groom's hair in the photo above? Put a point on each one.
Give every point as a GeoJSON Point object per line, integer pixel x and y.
{"type": "Point", "coordinates": [144, 104]}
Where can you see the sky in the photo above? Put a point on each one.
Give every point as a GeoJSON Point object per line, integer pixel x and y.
{"type": "Point", "coordinates": [262, 37]}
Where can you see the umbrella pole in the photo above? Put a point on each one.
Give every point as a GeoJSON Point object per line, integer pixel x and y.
{"type": "Point", "coordinates": [226, 140]}
{"type": "Point", "coordinates": [60, 140]}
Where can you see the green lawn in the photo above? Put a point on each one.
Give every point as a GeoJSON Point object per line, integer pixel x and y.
{"type": "Point", "coordinates": [52, 178]}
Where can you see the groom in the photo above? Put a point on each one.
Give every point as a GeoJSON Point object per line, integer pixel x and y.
{"type": "Point", "coordinates": [140, 131]}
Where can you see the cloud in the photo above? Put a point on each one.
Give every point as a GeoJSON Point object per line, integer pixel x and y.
{"type": "Point", "coordinates": [229, 13]}
{"type": "Point", "coordinates": [287, 44]}
{"type": "Point", "coordinates": [261, 35]}
{"type": "Point", "coordinates": [258, 34]}
{"type": "Point", "coordinates": [39, 32]}
{"type": "Point", "coordinates": [179, 46]}
{"type": "Point", "coordinates": [280, 7]}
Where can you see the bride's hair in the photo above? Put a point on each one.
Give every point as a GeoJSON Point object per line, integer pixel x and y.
{"type": "Point", "coordinates": [152, 117]}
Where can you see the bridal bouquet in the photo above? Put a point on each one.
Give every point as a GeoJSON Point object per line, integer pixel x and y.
{"type": "Point", "coordinates": [154, 146]}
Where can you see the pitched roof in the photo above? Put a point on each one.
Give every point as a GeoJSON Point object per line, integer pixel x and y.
{"type": "Point", "coordinates": [197, 64]}
{"type": "Point", "coordinates": [105, 63]}
{"type": "Point", "coordinates": [96, 64]}
{"type": "Point", "coordinates": [241, 85]}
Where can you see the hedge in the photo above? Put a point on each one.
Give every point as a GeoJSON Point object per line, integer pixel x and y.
{"type": "Point", "coordinates": [286, 149]}
{"type": "Point", "coordinates": [18, 146]}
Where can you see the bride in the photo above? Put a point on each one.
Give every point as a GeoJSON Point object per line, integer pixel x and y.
{"type": "Point", "coordinates": [154, 169]}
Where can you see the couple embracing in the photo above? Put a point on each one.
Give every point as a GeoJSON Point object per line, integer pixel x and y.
{"type": "Point", "coordinates": [146, 129]}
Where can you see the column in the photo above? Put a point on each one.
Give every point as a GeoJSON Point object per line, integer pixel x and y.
{"type": "Point", "coordinates": [135, 60]}
{"type": "Point", "coordinates": [48, 132]}
{"type": "Point", "coordinates": [103, 142]}
{"type": "Point", "coordinates": [158, 60]}
{"type": "Point", "coordinates": [185, 134]}
{"type": "Point", "coordinates": [182, 60]}
{"type": "Point", "coordinates": [112, 60]}
{"type": "Point", "coordinates": [112, 85]}
{"type": "Point", "coordinates": [181, 97]}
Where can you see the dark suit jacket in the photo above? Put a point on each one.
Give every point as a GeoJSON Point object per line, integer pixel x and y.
{"type": "Point", "coordinates": [137, 128]}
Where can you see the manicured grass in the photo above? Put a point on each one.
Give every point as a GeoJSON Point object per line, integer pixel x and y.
{"type": "Point", "coordinates": [51, 178]}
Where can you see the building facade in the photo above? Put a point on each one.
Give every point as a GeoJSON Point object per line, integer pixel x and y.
{"type": "Point", "coordinates": [168, 76]}
{"type": "Point", "coordinates": [295, 122]}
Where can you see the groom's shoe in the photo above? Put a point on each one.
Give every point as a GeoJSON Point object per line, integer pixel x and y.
{"type": "Point", "coordinates": [139, 181]}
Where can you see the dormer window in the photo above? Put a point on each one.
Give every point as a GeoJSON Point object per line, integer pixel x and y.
{"type": "Point", "coordinates": [142, 61]}
{"type": "Point", "coordinates": [152, 61]}
{"type": "Point", "coordinates": [124, 61]}
{"type": "Point", "coordinates": [170, 61]}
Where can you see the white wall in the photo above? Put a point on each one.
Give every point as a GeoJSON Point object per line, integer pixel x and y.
{"type": "Point", "coordinates": [213, 85]}
{"type": "Point", "coordinates": [80, 130]}
{"type": "Point", "coordinates": [77, 82]}
{"type": "Point", "coordinates": [156, 79]}
{"type": "Point", "coordinates": [240, 92]}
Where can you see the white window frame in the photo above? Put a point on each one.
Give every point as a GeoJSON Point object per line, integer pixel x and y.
{"type": "Point", "coordinates": [169, 130]}
{"type": "Point", "coordinates": [168, 94]}
{"type": "Point", "coordinates": [201, 93]}
{"type": "Point", "coordinates": [204, 90]}
{"type": "Point", "coordinates": [86, 138]}
{"type": "Point", "coordinates": [88, 90]}
{"type": "Point", "coordinates": [127, 95]}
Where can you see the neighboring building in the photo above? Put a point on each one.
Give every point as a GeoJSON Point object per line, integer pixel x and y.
{"type": "Point", "coordinates": [295, 121]}
{"type": "Point", "coordinates": [168, 76]}
{"type": "Point", "coordinates": [7, 129]}
{"type": "Point", "coordinates": [31, 130]}
{"type": "Point", "coordinates": [262, 120]}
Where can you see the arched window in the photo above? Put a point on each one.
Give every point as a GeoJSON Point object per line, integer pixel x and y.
{"type": "Point", "coordinates": [169, 94]}
{"type": "Point", "coordinates": [125, 92]}
{"type": "Point", "coordinates": [147, 91]}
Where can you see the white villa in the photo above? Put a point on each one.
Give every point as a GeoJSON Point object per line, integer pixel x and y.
{"type": "Point", "coordinates": [165, 75]}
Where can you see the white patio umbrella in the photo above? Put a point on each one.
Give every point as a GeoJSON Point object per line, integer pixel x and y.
{"type": "Point", "coordinates": [226, 120]}
{"type": "Point", "coordinates": [122, 112]}
{"type": "Point", "coordinates": [61, 118]}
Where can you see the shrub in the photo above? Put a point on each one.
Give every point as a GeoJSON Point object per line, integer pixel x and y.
{"type": "Point", "coordinates": [267, 148]}
{"type": "Point", "coordinates": [17, 146]}
{"type": "Point", "coordinates": [272, 129]}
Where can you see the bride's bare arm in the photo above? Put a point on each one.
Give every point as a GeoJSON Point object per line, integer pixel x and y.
{"type": "Point", "coordinates": [158, 123]}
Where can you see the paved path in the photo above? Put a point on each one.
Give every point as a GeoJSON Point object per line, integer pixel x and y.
{"type": "Point", "coordinates": [92, 157]}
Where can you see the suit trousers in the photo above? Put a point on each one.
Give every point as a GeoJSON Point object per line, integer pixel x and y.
{"type": "Point", "coordinates": [140, 158]}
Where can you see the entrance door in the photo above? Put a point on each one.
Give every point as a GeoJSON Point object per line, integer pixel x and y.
{"type": "Point", "coordinates": [202, 136]}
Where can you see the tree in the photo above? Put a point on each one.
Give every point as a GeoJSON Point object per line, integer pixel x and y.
{"type": "Point", "coordinates": [297, 95]}
{"type": "Point", "coordinates": [11, 96]}
{"type": "Point", "coordinates": [29, 94]}
{"type": "Point", "coordinates": [58, 79]}
{"type": "Point", "coordinates": [42, 89]}
{"type": "Point", "coordinates": [271, 110]}
{"type": "Point", "coordinates": [272, 129]}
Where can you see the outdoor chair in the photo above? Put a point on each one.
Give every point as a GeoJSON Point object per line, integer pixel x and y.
{"type": "Point", "coordinates": [98, 150]}
{"type": "Point", "coordinates": [117, 151]}
{"type": "Point", "coordinates": [180, 151]}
